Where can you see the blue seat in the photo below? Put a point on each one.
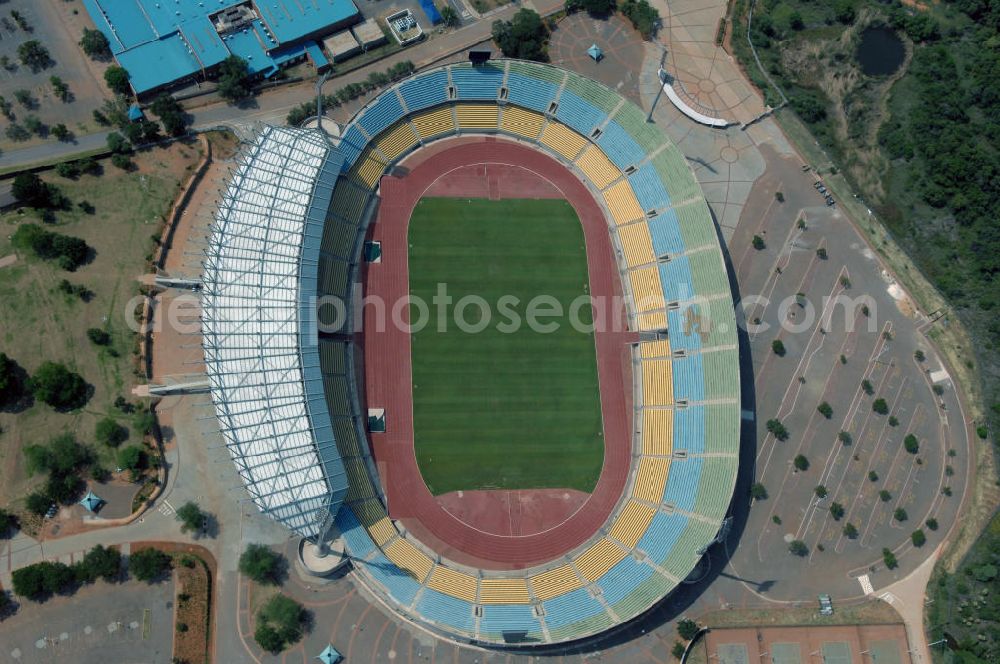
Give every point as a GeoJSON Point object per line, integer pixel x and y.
{"type": "Point", "coordinates": [689, 378]}
{"type": "Point", "coordinates": [649, 189]}
{"type": "Point", "coordinates": [359, 544]}
{"type": "Point", "coordinates": [623, 578]}
{"type": "Point", "coordinates": [619, 146]}
{"type": "Point", "coordinates": [682, 483]}
{"type": "Point", "coordinates": [675, 275]}
{"type": "Point", "coordinates": [423, 91]}
{"type": "Point", "coordinates": [499, 618]}
{"type": "Point", "coordinates": [666, 234]}
{"type": "Point", "coordinates": [530, 92]}
{"type": "Point", "coordinates": [397, 583]}
{"type": "Point", "coordinates": [351, 146]}
{"type": "Point", "coordinates": [446, 610]}
{"type": "Point", "coordinates": [570, 607]}
{"type": "Point", "coordinates": [662, 535]}
{"type": "Point", "coordinates": [682, 326]}
{"type": "Point", "coordinates": [689, 429]}
{"type": "Point", "coordinates": [578, 114]}
{"type": "Point", "coordinates": [385, 111]}
{"type": "Point", "coordinates": [482, 82]}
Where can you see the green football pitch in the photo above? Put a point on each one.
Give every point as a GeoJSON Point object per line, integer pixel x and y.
{"type": "Point", "coordinates": [496, 408]}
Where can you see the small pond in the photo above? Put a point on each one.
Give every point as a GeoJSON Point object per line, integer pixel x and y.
{"type": "Point", "coordinates": [881, 51]}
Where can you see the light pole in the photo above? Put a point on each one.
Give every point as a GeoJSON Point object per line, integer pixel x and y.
{"type": "Point", "coordinates": [661, 77]}
{"type": "Point", "coordinates": [319, 99]}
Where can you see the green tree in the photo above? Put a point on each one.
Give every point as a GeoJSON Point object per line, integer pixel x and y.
{"type": "Point", "coordinates": [98, 337]}
{"type": "Point", "coordinates": [918, 538]}
{"type": "Point", "coordinates": [117, 79]}
{"type": "Point", "coordinates": [42, 580]}
{"type": "Point", "coordinates": [261, 564]}
{"type": "Point", "coordinates": [758, 491]}
{"type": "Point", "coordinates": [900, 515]}
{"type": "Point", "coordinates": [687, 629]}
{"type": "Point", "coordinates": [777, 429]}
{"type": "Point", "coordinates": [37, 503]}
{"type": "Point", "coordinates": [910, 444]}
{"type": "Point", "coordinates": [642, 15]}
{"type": "Point", "coordinates": [821, 491]}
{"type": "Point", "coordinates": [11, 381]}
{"type": "Point", "coordinates": [279, 623]}
{"type": "Point", "coordinates": [148, 565]}
{"type": "Point", "coordinates": [450, 16]}
{"type": "Point", "coordinates": [678, 650]}
{"type": "Point", "coordinates": [778, 348]}
{"type": "Point", "coordinates": [889, 558]}
{"type": "Point", "coordinates": [758, 243]}
{"type": "Point", "coordinates": [171, 114]}
{"type": "Point", "coordinates": [867, 388]}
{"type": "Point", "coordinates": [33, 55]}
{"type": "Point", "coordinates": [880, 406]}
{"type": "Point", "coordinates": [798, 548]}
{"type": "Point", "coordinates": [191, 517]}
{"type": "Point", "coordinates": [884, 496]}
{"type": "Point", "coordinates": [100, 562]}
{"type": "Point", "coordinates": [59, 387]}
{"type": "Point", "coordinates": [825, 410]}
{"type": "Point", "coordinates": [109, 432]}
{"type": "Point", "coordinates": [597, 8]}
{"type": "Point", "coordinates": [845, 437]}
{"type": "Point", "coordinates": [132, 458]}
{"type": "Point", "coordinates": [524, 36]}
{"type": "Point", "coordinates": [8, 523]}
{"type": "Point", "coordinates": [233, 73]}
{"type": "Point", "coordinates": [850, 531]}
{"type": "Point", "coordinates": [62, 132]}
{"type": "Point", "coordinates": [801, 462]}
{"type": "Point", "coordinates": [95, 44]}
{"type": "Point", "coordinates": [837, 511]}
{"type": "Point", "coordinates": [29, 189]}
{"type": "Point", "coordinates": [931, 523]}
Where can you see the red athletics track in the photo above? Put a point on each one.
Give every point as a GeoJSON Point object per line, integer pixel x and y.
{"type": "Point", "coordinates": [494, 531]}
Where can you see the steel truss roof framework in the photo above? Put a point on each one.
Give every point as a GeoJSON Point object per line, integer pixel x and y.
{"type": "Point", "coordinates": [259, 327]}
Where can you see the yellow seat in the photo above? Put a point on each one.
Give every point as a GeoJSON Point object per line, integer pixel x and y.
{"type": "Point", "coordinates": [622, 203]}
{"type": "Point", "coordinates": [409, 559]}
{"type": "Point", "coordinates": [657, 432]}
{"type": "Point", "coordinates": [372, 516]}
{"type": "Point", "coordinates": [651, 479]}
{"type": "Point", "coordinates": [555, 582]}
{"type": "Point", "coordinates": [397, 141]}
{"type": "Point", "coordinates": [646, 290]}
{"type": "Point", "coordinates": [659, 348]}
{"type": "Point", "coordinates": [657, 383]}
{"type": "Point", "coordinates": [632, 523]}
{"type": "Point", "coordinates": [598, 559]}
{"type": "Point", "coordinates": [522, 122]}
{"type": "Point", "coordinates": [652, 321]}
{"type": "Point", "coordinates": [368, 169]}
{"type": "Point", "coordinates": [637, 244]}
{"type": "Point", "coordinates": [433, 123]}
{"type": "Point", "coordinates": [503, 591]}
{"type": "Point", "coordinates": [454, 583]}
{"type": "Point", "coordinates": [598, 167]}
{"type": "Point", "coordinates": [477, 116]}
{"type": "Point", "coordinates": [562, 139]}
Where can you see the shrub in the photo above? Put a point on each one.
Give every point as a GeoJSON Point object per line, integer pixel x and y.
{"type": "Point", "coordinates": [70, 252]}
{"type": "Point", "coordinates": [59, 387]}
{"type": "Point", "coordinates": [884, 496]}
{"type": "Point", "coordinates": [850, 531]}
{"type": "Point", "coordinates": [776, 519]}
{"type": "Point", "coordinates": [777, 429]}
{"type": "Point", "coordinates": [98, 336]}
{"type": "Point", "coordinates": [758, 491]}
{"type": "Point", "coordinates": [825, 410]}
{"type": "Point", "coordinates": [866, 386]}
{"type": "Point", "coordinates": [35, 56]}
{"type": "Point", "coordinates": [798, 548]}
{"type": "Point", "coordinates": [837, 511]}
{"type": "Point", "coordinates": [801, 462]}
{"type": "Point", "coordinates": [821, 253]}
{"type": "Point", "coordinates": [918, 538]}
{"type": "Point", "coordinates": [982, 432]}
{"type": "Point", "coordinates": [678, 650]}
{"type": "Point", "coordinates": [919, 356]}
{"type": "Point", "coordinates": [122, 161]}
{"type": "Point", "coordinates": [687, 629]}
{"type": "Point", "coordinates": [880, 406]}
{"type": "Point", "coordinates": [109, 432]}
{"type": "Point", "coordinates": [931, 524]}
{"type": "Point", "coordinates": [261, 564]}
{"type": "Point", "coordinates": [758, 243]}
{"type": "Point", "coordinates": [900, 515]}
{"type": "Point", "coordinates": [149, 565]}
{"type": "Point", "coordinates": [778, 347]}
{"type": "Point", "coordinates": [820, 491]}
{"type": "Point", "coordinates": [893, 421]}
{"type": "Point", "coordinates": [910, 444]}
{"type": "Point", "coordinates": [845, 438]}
{"type": "Point", "coordinates": [889, 558]}
{"type": "Point", "coordinates": [872, 476]}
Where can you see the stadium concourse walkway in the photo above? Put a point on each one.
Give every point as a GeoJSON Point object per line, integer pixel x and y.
{"type": "Point", "coordinates": [388, 370]}
{"type": "Point", "coordinates": [683, 459]}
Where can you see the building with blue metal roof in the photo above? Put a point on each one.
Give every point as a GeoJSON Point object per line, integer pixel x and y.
{"type": "Point", "coordinates": [161, 42]}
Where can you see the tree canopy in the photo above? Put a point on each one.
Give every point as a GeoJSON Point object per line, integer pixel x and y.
{"type": "Point", "coordinates": [524, 36]}
{"type": "Point", "coordinates": [261, 564]}
{"type": "Point", "coordinates": [59, 387]}
{"type": "Point", "coordinates": [233, 73]}
{"type": "Point", "coordinates": [95, 44]}
{"type": "Point", "coordinates": [117, 79]}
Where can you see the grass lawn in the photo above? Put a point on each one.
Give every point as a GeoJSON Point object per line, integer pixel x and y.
{"type": "Point", "coordinates": [38, 322]}
{"type": "Point", "coordinates": [499, 409]}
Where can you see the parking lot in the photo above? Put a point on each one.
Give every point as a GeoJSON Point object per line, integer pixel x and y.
{"type": "Point", "coordinates": [103, 623]}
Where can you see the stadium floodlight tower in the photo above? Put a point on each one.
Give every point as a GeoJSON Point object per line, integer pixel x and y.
{"type": "Point", "coordinates": [260, 333]}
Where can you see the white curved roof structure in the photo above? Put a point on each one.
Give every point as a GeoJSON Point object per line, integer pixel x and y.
{"type": "Point", "coordinates": [259, 332]}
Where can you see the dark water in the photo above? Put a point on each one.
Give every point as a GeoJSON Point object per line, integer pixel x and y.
{"type": "Point", "coordinates": [881, 51]}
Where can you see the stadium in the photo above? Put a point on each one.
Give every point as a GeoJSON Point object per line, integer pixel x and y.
{"type": "Point", "coordinates": [521, 489]}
